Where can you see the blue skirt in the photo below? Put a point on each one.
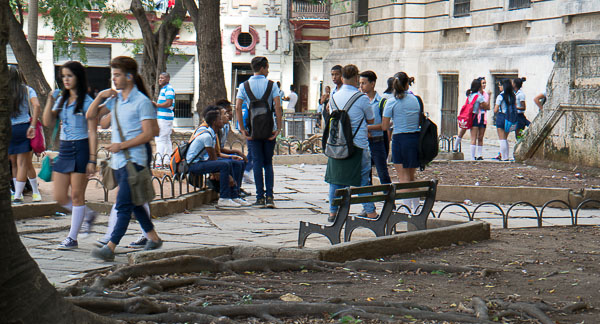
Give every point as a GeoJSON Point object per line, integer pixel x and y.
{"type": "Point", "coordinates": [500, 117]}
{"type": "Point", "coordinates": [19, 143]}
{"type": "Point", "coordinates": [405, 150]}
{"type": "Point", "coordinates": [73, 156]}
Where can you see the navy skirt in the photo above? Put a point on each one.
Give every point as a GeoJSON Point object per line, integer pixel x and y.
{"type": "Point", "coordinates": [73, 156]}
{"type": "Point", "coordinates": [500, 117]}
{"type": "Point", "coordinates": [405, 150]}
{"type": "Point", "coordinates": [19, 143]}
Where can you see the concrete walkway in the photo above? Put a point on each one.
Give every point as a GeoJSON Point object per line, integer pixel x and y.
{"type": "Point", "coordinates": [300, 194]}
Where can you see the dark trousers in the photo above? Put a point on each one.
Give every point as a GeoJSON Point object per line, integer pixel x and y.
{"type": "Point", "coordinates": [250, 163]}
{"type": "Point", "coordinates": [125, 207]}
{"type": "Point", "coordinates": [379, 157]}
{"type": "Point", "coordinates": [262, 154]}
{"type": "Point", "coordinates": [225, 169]}
{"type": "Point", "coordinates": [237, 172]}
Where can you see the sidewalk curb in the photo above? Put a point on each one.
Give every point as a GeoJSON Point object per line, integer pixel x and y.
{"type": "Point", "coordinates": [159, 207]}
{"type": "Point", "coordinates": [441, 233]}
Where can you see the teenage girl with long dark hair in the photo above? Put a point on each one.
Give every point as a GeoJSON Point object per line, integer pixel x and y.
{"type": "Point", "coordinates": [478, 120]}
{"type": "Point", "coordinates": [503, 101]}
{"type": "Point", "coordinates": [522, 121]}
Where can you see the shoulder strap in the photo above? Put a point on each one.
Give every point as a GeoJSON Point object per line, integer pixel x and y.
{"type": "Point", "coordinates": [334, 104]}
{"type": "Point", "coordinates": [126, 151]}
{"type": "Point", "coordinates": [382, 105]}
{"type": "Point", "coordinates": [421, 110]}
{"type": "Point", "coordinates": [267, 93]}
{"type": "Point", "coordinates": [28, 100]}
{"type": "Point", "coordinates": [249, 92]}
{"type": "Point", "coordinates": [352, 100]}
{"type": "Point", "coordinates": [204, 148]}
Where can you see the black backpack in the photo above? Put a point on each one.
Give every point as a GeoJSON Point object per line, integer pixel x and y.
{"type": "Point", "coordinates": [260, 114]}
{"type": "Point", "coordinates": [428, 139]}
{"type": "Point", "coordinates": [338, 139]}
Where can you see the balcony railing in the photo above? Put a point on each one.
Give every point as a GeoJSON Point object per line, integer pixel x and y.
{"type": "Point", "coordinates": [519, 4]}
{"type": "Point", "coordinates": [307, 9]}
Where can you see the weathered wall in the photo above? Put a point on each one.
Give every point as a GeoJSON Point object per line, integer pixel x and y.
{"type": "Point", "coordinates": [567, 131]}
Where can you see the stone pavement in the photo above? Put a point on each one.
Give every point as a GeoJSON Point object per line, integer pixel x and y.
{"type": "Point", "coordinates": [300, 194]}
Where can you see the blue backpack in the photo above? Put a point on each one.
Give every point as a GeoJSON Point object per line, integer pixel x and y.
{"type": "Point", "coordinates": [510, 121]}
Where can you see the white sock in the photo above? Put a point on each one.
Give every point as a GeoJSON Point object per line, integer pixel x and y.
{"type": "Point", "coordinates": [147, 208]}
{"type": "Point", "coordinates": [34, 186]}
{"type": "Point", "coordinates": [76, 221]}
{"type": "Point", "coordinates": [473, 151]}
{"type": "Point", "coordinates": [19, 186]}
{"type": "Point", "coordinates": [505, 153]}
{"type": "Point", "coordinates": [112, 221]}
{"type": "Point", "coordinates": [479, 150]}
{"type": "Point", "coordinates": [14, 182]}
{"type": "Point", "coordinates": [414, 204]}
{"type": "Point", "coordinates": [457, 143]}
{"type": "Point", "coordinates": [68, 206]}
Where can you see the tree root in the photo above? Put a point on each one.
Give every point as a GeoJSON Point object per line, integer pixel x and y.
{"type": "Point", "coordinates": [135, 305]}
{"type": "Point", "coordinates": [176, 318]}
{"type": "Point", "coordinates": [575, 307]}
{"type": "Point", "coordinates": [481, 310]}
{"type": "Point", "coordinates": [528, 309]}
{"type": "Point", "coordinates": [404, 266]}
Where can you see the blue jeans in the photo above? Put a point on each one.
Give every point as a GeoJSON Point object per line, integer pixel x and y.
{"type": "Point", "coordinates": [225, 169]}
{"type": "Point", "coordinates": [125, 206]}
{"type": "Point", "coordinates": [250, 163]}
{"type": "Point", "coordinates": [379, 158]}
{"type": "Point", "coordinates": [262, 156]}
{"type": "Point", "coordinates": [365, 180]}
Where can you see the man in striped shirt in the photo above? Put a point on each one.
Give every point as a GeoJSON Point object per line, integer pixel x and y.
{"type": "Point", "coordinates": [165, 105]}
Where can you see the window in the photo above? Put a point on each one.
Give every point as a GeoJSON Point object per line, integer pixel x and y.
{"type": "Point", "coordinates": [462, 8]}
{"type": "Point", "coordinates": [183, 105]}
{"type": "Point", "coordinates": [244, 39]}
{"type": "Point", "coordinates": [518, 4]}
{"type": "Point", "coordinates": [363, 11]}
{"type": "Point", "coordinates": [449, 104]}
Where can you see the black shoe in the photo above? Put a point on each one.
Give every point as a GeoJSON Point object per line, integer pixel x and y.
{"type": "Point", "coordinates": [139, 243]}
{"type": "Point", "coordinates": [270, 203]}
{"type": "Point", "coordinates": [479, 158]}
{"type": "Point", "coordinates": [260, 203]}
{"type": "Point", "coordinates": [152, 245]}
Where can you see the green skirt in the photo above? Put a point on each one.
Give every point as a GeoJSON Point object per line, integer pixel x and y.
{"type": "Point", "coordinates": [345, 172]}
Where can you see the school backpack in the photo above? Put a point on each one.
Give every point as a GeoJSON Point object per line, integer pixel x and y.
{"type": "Point", "coordinates": [260, 114]}
{"type": "Point", "coordinates": [178, 163]}
{"type": "Point", "coordinates": [465, 117]}
{"type": "Point", "coordinates": [428, 139]}
{"type": "Point", "coordinates": [510, 119]}
{"type": "Point", "coordinates": [338, 139]}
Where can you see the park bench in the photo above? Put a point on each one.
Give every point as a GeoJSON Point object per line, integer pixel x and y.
{"type": "Point", "coordinates": [385, 223]}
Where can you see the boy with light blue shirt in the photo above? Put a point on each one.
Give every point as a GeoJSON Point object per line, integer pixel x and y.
{"type": "Point", "coordinates": [262, 150]}
{"type": "Point", "coordinates": [377, 138]}
{"type": "Point", "coordinates": [355, 170]}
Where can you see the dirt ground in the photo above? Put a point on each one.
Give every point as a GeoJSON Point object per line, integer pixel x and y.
{"type": "Point", "coordinates": [507, 174]}
{"type": "Point", "coordinates": [554, 266]}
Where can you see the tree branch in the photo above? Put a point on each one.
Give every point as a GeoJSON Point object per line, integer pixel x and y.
{"type": "Point", "coordinates": [191, 7]}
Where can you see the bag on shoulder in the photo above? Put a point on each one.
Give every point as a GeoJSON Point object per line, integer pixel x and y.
{"type": "Point", "coordinates": [178, 163]}
{"type": "Point", "coordinates": [511, 116]}
{"type": "Point", "coordinates": [465, 117]}
{"type": "Point", "coordinates": [338, 139]}
{"type": "Point", "coordinates": [428, 139]}
{"type": "Point", "coordinates": [260, 114]}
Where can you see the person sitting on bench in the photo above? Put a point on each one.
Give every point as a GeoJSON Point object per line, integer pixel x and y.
{"type": "Point", "coordinates": [202, 158]}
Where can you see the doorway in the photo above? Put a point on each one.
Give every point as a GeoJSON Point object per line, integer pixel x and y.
{"type": "Point", "coordinates": [240, 73]}
{"type": "Point", "coordinates": [302, 74]}
{"type": "Point", "coordinates": [449, 104]}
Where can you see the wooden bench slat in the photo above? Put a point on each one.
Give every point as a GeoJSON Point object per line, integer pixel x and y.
{"type": "Point", "coordinates": [412, 185]}
{"type": "Point", "coordinates": [412, 194]}
{"type": "Point", "coordinates": [366, 199]}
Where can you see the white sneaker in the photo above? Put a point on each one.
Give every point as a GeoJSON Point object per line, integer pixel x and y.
{"type": "Point", "coordinates": [247, 178]}
{"type": "Point", "coordinates": [242, 202]}
{"type": "Point", "coordinates": [224, 202]}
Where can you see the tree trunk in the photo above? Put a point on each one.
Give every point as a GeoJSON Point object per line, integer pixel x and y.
{"type": "Point", "coordinates": [28, 64]}
{"type": "Point", "coordinates": [26, 296]}
{"type": "Point", "coordinates": [157, 44]}
{"type": "Point", "coordinates": [210, 58]}
{"type": "Point", "coordinates": [32, 25]}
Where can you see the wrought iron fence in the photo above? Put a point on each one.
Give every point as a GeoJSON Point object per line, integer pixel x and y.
{"type": "Point", "coordinates": [310, 10]}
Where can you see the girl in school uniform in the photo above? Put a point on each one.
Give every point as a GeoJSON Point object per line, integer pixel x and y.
{"type": "Point", "coordinates": [522, 121]}
{"type": "Point", "coordinates": [478, 119]}
{"type": "Point", "coordinates": [503, 100]}
{"type": "Point", "coordinates": [403, 110]}
{"type": "Point", "coordinates": [23, 130]}
{"type": "Point", "coordinates": [482, 117]}
{"type": "Point", "coordinates": [76, 156]}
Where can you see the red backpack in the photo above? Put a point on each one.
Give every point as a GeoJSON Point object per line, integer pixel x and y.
{"type": "Point", "coordinates": [465, 118]}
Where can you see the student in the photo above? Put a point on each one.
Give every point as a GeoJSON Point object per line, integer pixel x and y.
{"type": "Point", "coordinates": [336, 78]}
{"type": "Point", "coordinates": [482, 117]}
{"type": "Point", "coordinates": [203, 158]}
{"type": "Point", "coordinates": [503, 100]}
{"type": "Point", "coordinates": [389, 91]}
{"type": "Point", "coordinates": [522, 121]}
{"type": "Point", "coordinates": [356, 169]}
{"type": "Point", "coordinates": [22, 131]}
{"type": "Point", "coordinates": [478, 124]}
{"type": "Point", "coordinates": [323, 101]}
{"type": "Point", "coordinates": [292, 99]}
{"type": "Point", "coordinates": [377, 136]}
{"type": "Point", "coordinates": [227, 117]}
{"type": "Point", "coordinates": [262, 150]}
{"type": "Point", "coordinates": [403, 110]}
{"type": "Point", "coordinates": [136, 117]}
{"type": "Point", "coordinates": [165, 106]}
{"type": "Point", "coordinates": [77, 154]}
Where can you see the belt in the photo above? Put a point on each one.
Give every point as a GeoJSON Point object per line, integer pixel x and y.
{"type": "Point", "coordinates": [376, 139]}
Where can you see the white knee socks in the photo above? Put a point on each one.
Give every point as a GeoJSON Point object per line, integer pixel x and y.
{"type": "Point", "coordinates": [34, 186]}
{"type": "Point", "coordinates": [76, 221]}
{"type": "Point", "coordinates": [19, 186]}
{"type": "Point", "coordinates": [479, 151]}
{"type": "Point", "coordinates": [457, 143]}
{"type": "Point", "coordinates": [473, 152]}
{"type": "Point", "coordinates": [504, 149]}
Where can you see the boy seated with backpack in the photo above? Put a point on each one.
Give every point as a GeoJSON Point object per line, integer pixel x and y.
{"type": "Point", "coordinates": [203, 158]}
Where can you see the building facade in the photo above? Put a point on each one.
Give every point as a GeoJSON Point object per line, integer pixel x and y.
{"type": "Point", "coordinates": [248, 28]}
{"type": "Point", "coordinates": [445, 44]}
